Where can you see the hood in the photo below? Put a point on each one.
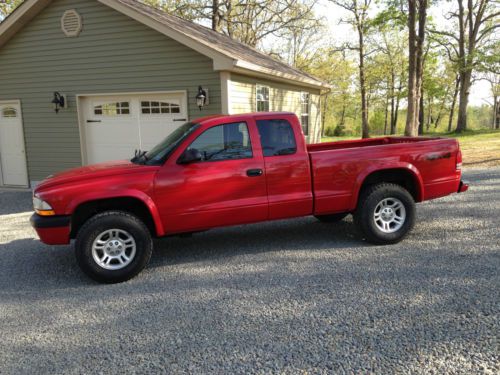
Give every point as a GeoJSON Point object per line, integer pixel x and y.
{"type": "Point", "coordinates": [93, 171]}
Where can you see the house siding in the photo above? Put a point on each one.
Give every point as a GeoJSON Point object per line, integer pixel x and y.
{"type": "Point", "coordinates": [283, 97]}
{"type": "Point", "coordinates": [112, 54]}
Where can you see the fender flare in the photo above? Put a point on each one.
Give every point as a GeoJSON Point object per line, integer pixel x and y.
{"type": "Point", "coordinates": [400, 165]}
{"type": "Point", "coordinates": [128, 193]}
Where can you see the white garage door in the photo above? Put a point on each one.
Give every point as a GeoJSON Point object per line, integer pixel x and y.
{"type": "Point", "coordinates": [13, 170]}
{"type": "Point", "coordinates": [115, 126]}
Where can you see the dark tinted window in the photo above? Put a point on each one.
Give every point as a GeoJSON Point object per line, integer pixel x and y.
{"type": "Point", "coordinates": [276, 137]}
{"type": "Point", "coordinates": [224, 142]}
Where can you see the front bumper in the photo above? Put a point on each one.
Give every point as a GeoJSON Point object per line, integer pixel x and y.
{"type": "Point", "coordinates": [52, 230]}
{"type": "Point", "coordinates": [463, 186]}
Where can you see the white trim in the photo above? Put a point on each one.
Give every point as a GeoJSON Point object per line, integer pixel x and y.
{"type": "Point", "coordinates": [18, 103]}
{"type": "Point", "coordinates": [226, 93]}
{"type": "Point", "coordinates": [80, 110]}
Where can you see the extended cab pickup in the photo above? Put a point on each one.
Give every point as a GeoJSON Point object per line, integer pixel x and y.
{"type": "Point", "coordinates": [227, 170]}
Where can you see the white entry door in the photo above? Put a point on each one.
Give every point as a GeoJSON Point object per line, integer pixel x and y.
{"type": "Point", "coordinates": [115, 126]}
{"type": "Point", "coordinates": [13, 171]}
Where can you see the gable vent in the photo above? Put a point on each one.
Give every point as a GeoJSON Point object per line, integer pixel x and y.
{"type": "Point", "coordinates": [71, 23]}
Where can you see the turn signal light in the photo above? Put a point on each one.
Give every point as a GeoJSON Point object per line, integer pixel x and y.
{"type": "Point", "coordinates": [45, 212]}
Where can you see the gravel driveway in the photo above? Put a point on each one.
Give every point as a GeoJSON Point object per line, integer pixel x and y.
{"type": "Point", "coordinates": [284, 297]}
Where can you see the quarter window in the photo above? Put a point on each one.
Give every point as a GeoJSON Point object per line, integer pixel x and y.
{"type": "Point", "coordinates": [304, 111]}
{"type": "Point", "coordinates": [224, 142]}
{"type": "Point", "coordinates": [262, 98]}
{"type": "Point", "coordinates": [156, 108]}
{"type": "Point", "coordinates": [276, 137]}
{"type": "Point", "coordinates": [9, 112]}
{"type": "Point", "coordinates": [112, 109]}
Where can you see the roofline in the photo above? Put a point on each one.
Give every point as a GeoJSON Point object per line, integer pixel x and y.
{"type": "Point", "coordinates": [222, 61]}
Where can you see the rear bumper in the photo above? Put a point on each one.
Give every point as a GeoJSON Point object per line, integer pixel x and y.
{"type": "Point", "coordinates": [52, 230]}
{"type": "Point", "coordinates": [463, 186]}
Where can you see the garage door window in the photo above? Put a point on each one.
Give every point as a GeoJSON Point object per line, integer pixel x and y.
{"type": "Point", "coordinates": [112, 109]}
{"type": "Point", "coordinates": [157, 108]}
{"type": "Point", "coordinates": [9, 112]}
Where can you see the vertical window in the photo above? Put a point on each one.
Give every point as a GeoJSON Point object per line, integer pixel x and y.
{"type": "Point", "coordinates": [262, 98]}
{"type": "Point", "coordinates": [224, 142]}
{"type": "Point", "coordinates": [304, 111]}
{"type": "Point", "coordinates": [276, 137]}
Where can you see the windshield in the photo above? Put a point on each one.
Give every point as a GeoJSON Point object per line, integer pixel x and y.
{"type": "Point", "coordinates": [165, 148]}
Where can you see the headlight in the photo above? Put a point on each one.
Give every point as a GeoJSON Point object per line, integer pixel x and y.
{"type": "Point", "coordinates": [42, 208]}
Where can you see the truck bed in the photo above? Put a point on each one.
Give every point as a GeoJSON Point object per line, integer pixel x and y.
{"type": "Point", "coordinates": [338, 168]}
{"type": "Point", "coordinates": [357, 143]}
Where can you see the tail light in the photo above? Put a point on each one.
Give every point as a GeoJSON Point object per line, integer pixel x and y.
{"type": "Point", "coordinates": [459, 160]}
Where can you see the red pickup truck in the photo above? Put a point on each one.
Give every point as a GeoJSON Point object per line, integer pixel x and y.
{"type": "Point", "coordinates": [227, 170]}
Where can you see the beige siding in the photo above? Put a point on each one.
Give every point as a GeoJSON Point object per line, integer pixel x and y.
{"type": "Point", "coordinates": [113, 54]}
{"type": "Point", "coordinates": [283, 97]}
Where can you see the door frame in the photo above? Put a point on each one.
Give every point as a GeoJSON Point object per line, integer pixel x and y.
{"type": "Point", "coordinates": [18, 103]}
{"type": "Point", "coordinates": [80, 111]}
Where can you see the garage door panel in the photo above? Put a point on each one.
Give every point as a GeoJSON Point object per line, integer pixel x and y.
{"type": "Point", "coordinates": [117, 125]}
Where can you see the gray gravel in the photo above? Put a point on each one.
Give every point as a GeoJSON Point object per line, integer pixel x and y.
{"type": "Point", "coordinates": [284, 297]}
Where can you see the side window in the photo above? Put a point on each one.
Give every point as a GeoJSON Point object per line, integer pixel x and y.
{"type": "Point", "coordinates": [276, 137]}
{"type": "Point", "coordinates": [262, 98]}
{"type": "Point", "coordinates": [224, 142]}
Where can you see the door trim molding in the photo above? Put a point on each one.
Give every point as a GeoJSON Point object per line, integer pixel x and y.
{"type": "Point", "coordinates": [18, 103]}
{"type": "Point", "coordinates": [81, 115]}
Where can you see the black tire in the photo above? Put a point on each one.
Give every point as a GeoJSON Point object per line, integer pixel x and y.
{"type": "Point", "coordinates": [364, 215]}
{"type": "Point", "coordinates": [102, 222]}
{"type": "Point", "coordinates": [333, 218]}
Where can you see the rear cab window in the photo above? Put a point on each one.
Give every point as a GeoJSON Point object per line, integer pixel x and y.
{"type": "Point", "coordinates": [224, 142]}
{"type": "Point", "coordinates": [277, 137]}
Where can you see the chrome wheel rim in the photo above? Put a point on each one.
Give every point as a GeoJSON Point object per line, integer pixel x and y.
{"type": "Point", "coordinates": [114, 249]}
{"type": "Point", "coordinates": [389, 215]}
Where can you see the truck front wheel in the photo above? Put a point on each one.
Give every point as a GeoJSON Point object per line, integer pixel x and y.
{"type": "Point", "coordinates": [385, 213]}
{"type": "Point", "coordinates": [113, 246]}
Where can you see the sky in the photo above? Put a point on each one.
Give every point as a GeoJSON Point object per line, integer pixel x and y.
{"type": "Point", "coordinates": [481, 90]}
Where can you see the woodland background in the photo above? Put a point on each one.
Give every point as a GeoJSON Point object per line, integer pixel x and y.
{"type": "Point", "coordinates": [396, 66]}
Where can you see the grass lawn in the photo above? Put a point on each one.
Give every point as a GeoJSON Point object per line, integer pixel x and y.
{"type": "Point", "coordinates": [479, 147]}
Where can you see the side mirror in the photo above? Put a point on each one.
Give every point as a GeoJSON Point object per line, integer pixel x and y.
{"type": "Point", "coordinates": [190, 156]}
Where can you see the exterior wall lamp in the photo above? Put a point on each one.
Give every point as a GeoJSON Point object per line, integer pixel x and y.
{"type": "Point", "coordinates": [201, 98]}
{"type": "Point", "coordinates": [59, 101]}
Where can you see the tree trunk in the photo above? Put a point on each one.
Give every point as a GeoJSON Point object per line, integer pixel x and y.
{"type": "Point", "coordinates": [421, 113]}
{"type": "Point", "coordinates": [497, 120]}
{"type": "Point", "coordinates": [415, 70]}
{"type": "Point", "coordinates": [362, 83]}
{"type": "Point", "coordinates": [465, 84]}
{"type": "Point", "coordinates": [495, 112]}
{"type": "Point", "coordinates": [393, 79]}
{"type": "Point", "coordinates": [453, 103]}
{"type": "Point", "coordinates": [216, 16]}
{"type": "Point", "coordinates": [323, 114]}
{"type": "Point", "coordinates": [386, 114]}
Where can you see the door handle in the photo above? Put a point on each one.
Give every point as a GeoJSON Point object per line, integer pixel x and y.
{"type": "Point", "coordinates": [255, 172]}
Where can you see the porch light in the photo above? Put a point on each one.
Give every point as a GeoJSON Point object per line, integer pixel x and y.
{"type": "Point", "coordinates": [59, 101]}
{"type": "Point", "coordinates": [201, 98]}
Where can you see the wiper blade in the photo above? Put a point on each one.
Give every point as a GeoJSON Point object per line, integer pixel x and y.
{"type": "Point", "coordinates": [140, 155]}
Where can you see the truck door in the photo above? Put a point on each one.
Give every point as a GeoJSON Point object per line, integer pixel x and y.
{"type": "Point", "coordinates": [288, 173]}
{"type": "Point", "coordinates": [226, 187]}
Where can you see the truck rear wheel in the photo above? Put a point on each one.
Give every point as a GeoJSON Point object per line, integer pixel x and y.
{"type": "Point", "coordinates": [333, 218]}
{"type": "Point", "coordinates": [113, 247]}
{"type": "Point", "coordinates": [385, 213]}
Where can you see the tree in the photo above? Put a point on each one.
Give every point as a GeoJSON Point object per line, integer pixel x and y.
{"type": "Point", "coordinates": [7, 7]}
{"type": "Point", "coordinates": [476, 22]}
{"type": "Point", "coordinates": [417, 17]}
{"type": "Point", "coordinates": [359, 20]}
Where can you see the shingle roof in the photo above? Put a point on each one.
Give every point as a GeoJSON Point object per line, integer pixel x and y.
{"type": "Point", "coordinates": [220, 42]}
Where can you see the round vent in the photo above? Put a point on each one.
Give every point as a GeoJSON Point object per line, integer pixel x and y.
{"type": "Point", "coordinates": [71, 23]}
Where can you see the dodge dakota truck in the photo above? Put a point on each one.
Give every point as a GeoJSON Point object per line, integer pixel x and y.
{"type": "Point", "coordinates": [229, 170]}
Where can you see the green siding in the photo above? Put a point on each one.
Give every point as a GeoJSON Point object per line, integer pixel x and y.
{"type": "Point", "coordinates": [113, 54]}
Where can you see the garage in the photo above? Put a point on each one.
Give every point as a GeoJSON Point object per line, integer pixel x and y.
{"type": "Point", "coordinates": [114, 126]}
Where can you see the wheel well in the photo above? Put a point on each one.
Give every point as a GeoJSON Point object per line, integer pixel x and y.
{"type": "Point", "coordinates": [401, 177]}
{"type": "Point", "coordinates": [131, 205]}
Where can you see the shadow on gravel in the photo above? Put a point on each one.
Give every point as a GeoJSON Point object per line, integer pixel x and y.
{"type": "Point", "coordinates": [14, 202]}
